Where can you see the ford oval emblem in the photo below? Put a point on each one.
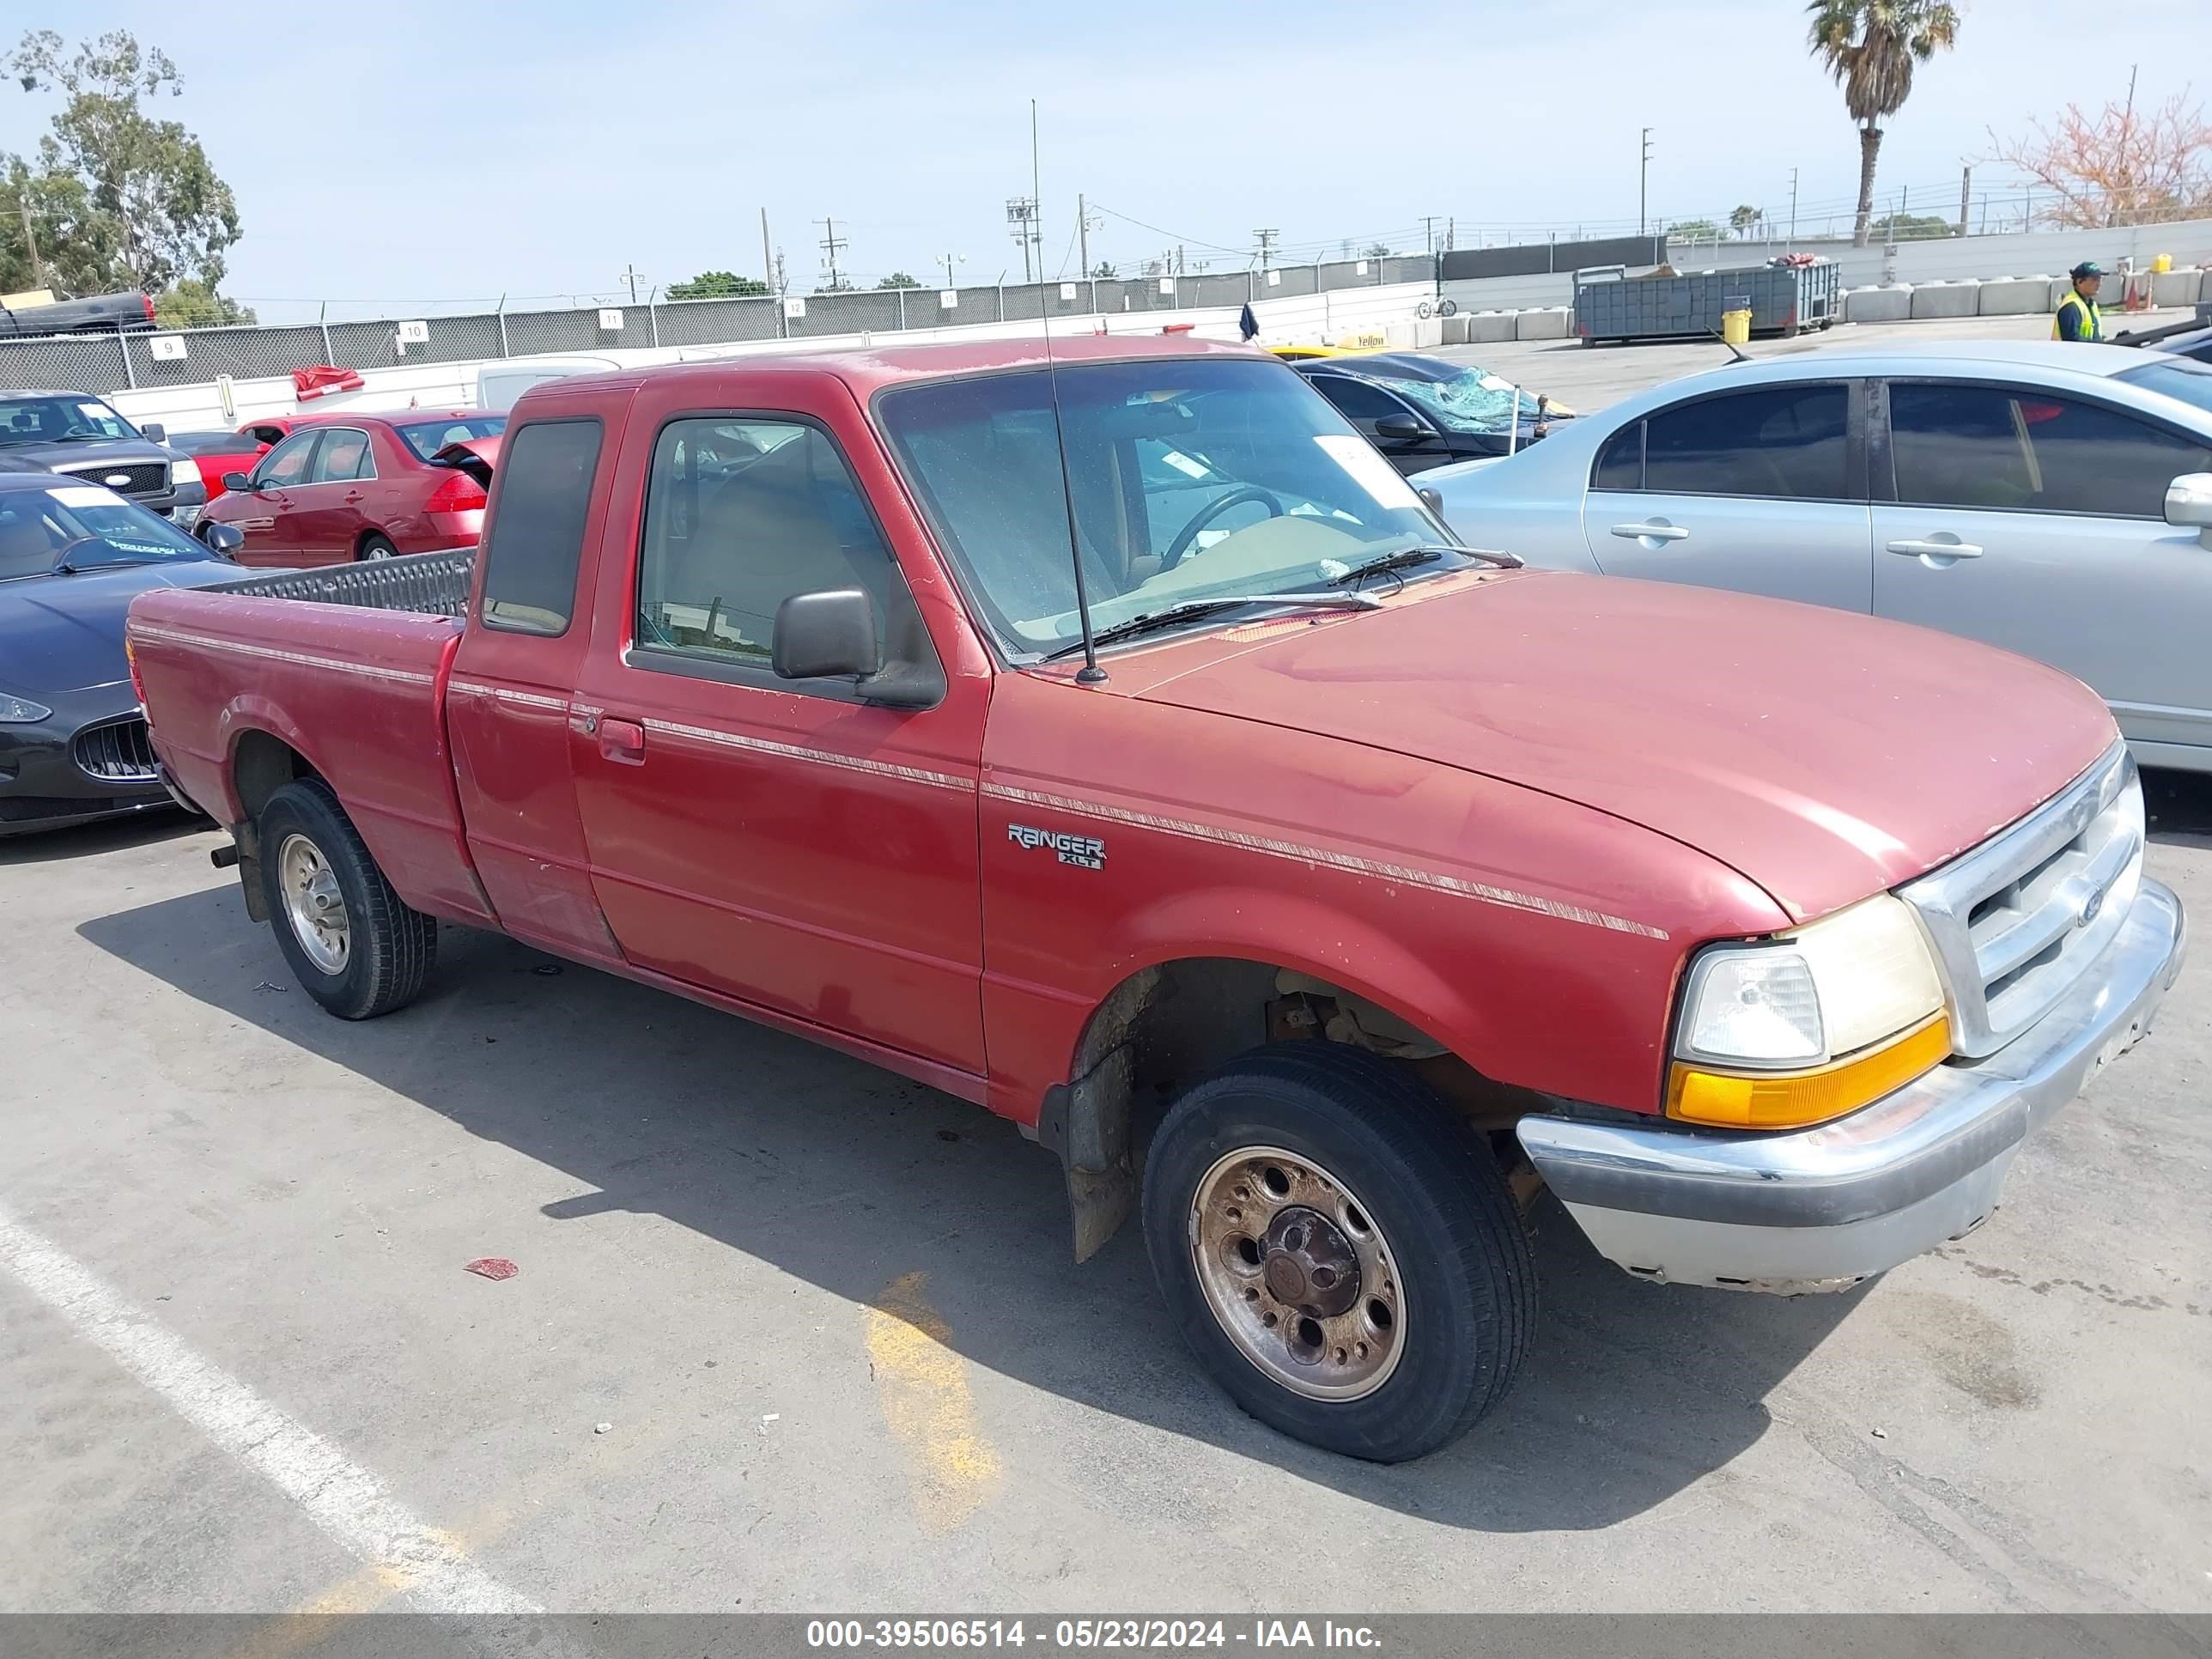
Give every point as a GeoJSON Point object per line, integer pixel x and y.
{"type": "Point", "coordinates": [2096, 902]}
{"type": "Point", "coordinates": [116, 480]}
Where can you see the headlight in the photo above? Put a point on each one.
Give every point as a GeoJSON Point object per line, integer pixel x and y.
{"type": "Point", "coordinates": [183, 472]}
{"type": "Point", "coordinates": [17, 711]}
{"type": "Point", "coordinates": [1810, 1026]}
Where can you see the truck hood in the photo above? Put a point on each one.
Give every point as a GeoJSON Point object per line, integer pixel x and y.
{"type": "Point", "coordinates": [84, 454]}
{"type": "Point", "coordinates": [1825, 756]}
{"type": "Point", "coordinates": [63, 634]}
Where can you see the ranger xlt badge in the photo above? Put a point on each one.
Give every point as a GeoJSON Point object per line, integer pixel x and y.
{"type": "Point", "coordinates": [1084, 852]}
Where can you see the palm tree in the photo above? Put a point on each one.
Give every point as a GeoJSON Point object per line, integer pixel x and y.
{"type": "Point", "coordinates": [1870, 47]}
{"type": "Point", "coordinates": [1741, 219]}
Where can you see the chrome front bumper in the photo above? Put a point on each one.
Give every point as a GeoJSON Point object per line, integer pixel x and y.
{"type": "Point", "coordinates": [1821, 1209]}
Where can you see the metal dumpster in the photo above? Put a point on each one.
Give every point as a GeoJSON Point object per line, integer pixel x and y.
{"type": "Point", "coordinates": [1611, 305]}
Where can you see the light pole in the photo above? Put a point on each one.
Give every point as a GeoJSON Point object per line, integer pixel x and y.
{"type": "Point", "coordinates": [949, 260]}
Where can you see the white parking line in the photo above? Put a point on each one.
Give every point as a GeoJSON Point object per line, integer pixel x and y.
{"type": "Point", "coordinates": [339, 1496]}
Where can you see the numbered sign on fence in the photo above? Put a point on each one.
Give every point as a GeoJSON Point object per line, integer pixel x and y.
{"type": "Point", "coordinates": [611, 320]}
{"type": "Point", "coordinates": [795, 305]}
{"type": "Point", "coordinates": [948, 299]}
{"type": "Point", "coordinates": [166, 348]}
{"type": "Point", "coordinates": [415, 333]}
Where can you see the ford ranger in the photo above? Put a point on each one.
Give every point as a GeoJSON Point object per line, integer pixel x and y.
{"type": "Point", "coordinates": [1113, 738]}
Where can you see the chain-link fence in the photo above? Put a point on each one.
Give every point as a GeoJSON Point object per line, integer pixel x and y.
{"type": "Point", "coordinates": [117, 363]}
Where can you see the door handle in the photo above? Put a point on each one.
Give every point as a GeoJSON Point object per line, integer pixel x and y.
{"type": "Point", "coordinates": [1655, 530]}
{"type": "Point", "coordinates": [1937, 547]}
{"type": "Point", "coordinates": [351, 496]}
{"type": "Point", "coordinates": [622, 742]}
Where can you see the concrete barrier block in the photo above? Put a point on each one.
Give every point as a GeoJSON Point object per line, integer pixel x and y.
{"type": "Point", "coordinates": [1488, 327]}
{"type": "Point", "coordinates": [1456, 329]}
{"type": "Point", "coordinates": [1947, 298]}
{"type": "Point", "coordinates": [2014, 296]}
{"type": "Point", "coordinates": [2182, 286]}
{"type": "Point", "coordinates": [1547, 323]}
{"type": "Point", "coordinates": [2060, 288]}
{"type": "Point", "coordinates": [1893, 304]}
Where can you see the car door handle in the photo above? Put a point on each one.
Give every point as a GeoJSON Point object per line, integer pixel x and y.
{"type": "Point", "coordinates": [352, 495]}
{"type": "Point", "coordinates": [1936, 548]}
{"type": "Point", "coordinates": [622, 742]}
{"type": "Point", "coordinates": [1655, 530]}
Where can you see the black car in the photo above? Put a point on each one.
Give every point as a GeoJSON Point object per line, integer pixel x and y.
{"type": "Point", "coordinates": [73, 555]}
{"type": "Point", "coordinates": [75, 433]}
{"type": "Point", "coordinates": [1423, 411]}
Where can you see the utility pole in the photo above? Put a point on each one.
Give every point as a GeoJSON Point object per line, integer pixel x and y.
{"type": "Point", "coordinates": [630, 276]}
{"type": "Point", "coordinates": [1643, 185]}
{"type": "Point", "coordinates": [831, 242]}
{"type": "Point", "coordinates": [1966, 196]}
{"type": "Point", "coordinates": [1267, 238]}
{"type": "Point", "coordinates": [1021, 214]}
{"type": "Point", "coordinates": [1037, 195]}
{"type": "Point", "coordinates": [1793, 209]}
{"type": "Point", "coordinates": [30, 242]}
{"type": "Point", "coordinates": [1429, 233]}
{"type": "Point", "coordinates": [1082, 235]}
{"type": "Point", "coordinates": [949, 260]}
{"type": "Point", "coordinates": [767, 259]}
{"type": "Point", "coordinates": [1451, 233]}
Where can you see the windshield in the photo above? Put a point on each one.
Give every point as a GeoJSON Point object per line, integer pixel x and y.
{"type": "Point", "coordinates": [427, 438]}
{"type": "Point", "coordinates": [1469, 400]}
{"type": "Point", "coordinates": [1191, 478]}
{"type": "Point", "coordinates": [59, 419]}
{"type": "Point", "coordinates": [85, 527]}
{"type": "Point", "coordinates": [2175, 377]}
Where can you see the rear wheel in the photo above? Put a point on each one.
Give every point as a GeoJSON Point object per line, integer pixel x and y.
{"type": "Point", "coordinates": [377, 547]}
{"type": "Point", "coordinates": [1340, 1249]}
{"type": "Point", "coordinates": [354, 944]}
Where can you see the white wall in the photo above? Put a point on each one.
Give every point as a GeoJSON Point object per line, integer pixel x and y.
{"type": "Point", "coordinates": [1941, 259]}
{"type": "Point", "coordinates": [1299, 318]}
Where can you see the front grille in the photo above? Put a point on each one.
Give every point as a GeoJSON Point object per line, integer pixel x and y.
{"type": "Point", "coordinates": [142, 477]}
{"type": "Point", "coordinates": [2014, 921]}
{"type": "Point", "coordinates": [121, 751]}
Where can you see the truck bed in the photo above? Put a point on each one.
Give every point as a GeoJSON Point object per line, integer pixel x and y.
{"type": "Point", "coordinates": [347, 668]}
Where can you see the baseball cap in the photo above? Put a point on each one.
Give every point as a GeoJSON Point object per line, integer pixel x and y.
{"type": "Point", "coordinates": [2087, 268]}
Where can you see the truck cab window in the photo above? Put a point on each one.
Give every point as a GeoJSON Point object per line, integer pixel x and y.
{"type": "Point", "coordinates": [741, 515]}
{"type": "Point", "coordinates": [536, 541]}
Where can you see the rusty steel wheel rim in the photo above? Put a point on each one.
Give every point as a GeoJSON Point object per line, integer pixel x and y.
{"type": "Point", "coordinates": [1297, 1273]}
{"type": "Point", "coordinates": [313, 906]}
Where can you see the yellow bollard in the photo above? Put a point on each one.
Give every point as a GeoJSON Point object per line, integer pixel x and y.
{"type": "Point", "coordinates": [1735, 327]}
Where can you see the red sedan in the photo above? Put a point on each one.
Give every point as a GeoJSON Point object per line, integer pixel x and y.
{"type": "Point", "coordinates": [350, 485]}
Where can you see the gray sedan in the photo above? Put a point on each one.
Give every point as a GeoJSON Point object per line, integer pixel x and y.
{"type": "Point", "coordinates": [2051, 499]}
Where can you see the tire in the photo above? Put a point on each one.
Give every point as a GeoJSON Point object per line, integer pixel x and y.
{"type": "Point", "coordinates": [1443, 1239]}
{"type": "Point", "coordinates": [388, 949]}
{"type": "Point", "coordinates": [377, 547]}
{"type": "Point", "coordinates": [1448, 308]}
{"type": "Point", "coordinates": [1423, 310]}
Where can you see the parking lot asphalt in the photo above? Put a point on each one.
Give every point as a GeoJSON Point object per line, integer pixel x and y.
{"type": "Point", "coordinates": [790, 1334]}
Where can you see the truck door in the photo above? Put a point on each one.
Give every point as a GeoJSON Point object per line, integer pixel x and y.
{"type": "Point", "coordinates": [1762, 490]}
{"type": "Point", "coordinates": [782, 841]}
{"type": "Point", "coordinates": [507, 700]}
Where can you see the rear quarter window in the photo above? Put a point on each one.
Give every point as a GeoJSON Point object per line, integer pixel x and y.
{"type": "Point", "coordinates": [535, 542]}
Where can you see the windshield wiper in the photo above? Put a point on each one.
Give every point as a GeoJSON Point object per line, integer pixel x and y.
{"type": "Point", "coordinates": [1407, 557]}
{"type": "Point", "coordinates": [83, 438]}
{"type": "Point", "coordinates": [1197, 608]}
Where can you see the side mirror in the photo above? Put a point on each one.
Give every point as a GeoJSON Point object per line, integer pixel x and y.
{"type": "Point", "coordinates": [821, 635]}
{"type": "Point", "coordinates": [223, 539]}
{"type": "Point", "coordinates": [153, 432]}
{"type": "Point", "coordinates": [2188, 505]}
{"type": "Point", "coordinates": [238, 484]}
{"type": "Point", "coordinates": [1403, 429]}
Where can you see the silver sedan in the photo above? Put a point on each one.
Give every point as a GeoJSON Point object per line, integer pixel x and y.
{"type": "Point", "coordinates": [2055, 500]}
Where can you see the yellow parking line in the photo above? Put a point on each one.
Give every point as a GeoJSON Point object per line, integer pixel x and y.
{"type": "Point", "coordinates": [951, 1468]}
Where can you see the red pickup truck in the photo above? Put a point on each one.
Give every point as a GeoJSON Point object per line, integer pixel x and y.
{"type": "Point", "coordinates": [1364, 886]}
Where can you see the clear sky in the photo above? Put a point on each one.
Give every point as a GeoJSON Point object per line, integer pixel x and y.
{"type": "Point", "coordinates": [403, 153]}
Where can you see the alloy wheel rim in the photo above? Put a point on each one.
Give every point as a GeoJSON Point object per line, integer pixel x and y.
{"type": "Point", "coordinates": [313, 904]}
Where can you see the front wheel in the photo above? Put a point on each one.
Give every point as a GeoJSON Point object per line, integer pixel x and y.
{"type": "Point", "coordinates": [1339, 1248]}
{"type": "Point", "coordinates": [354, 944]}
{"type": "Point", "coordinates": [1448, 308]}
{"type": "Point", "coordinates": [1424, 311]}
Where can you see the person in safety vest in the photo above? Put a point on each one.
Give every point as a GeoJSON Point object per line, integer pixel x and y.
{"type": "Point", "coordinates": [2078, 318]}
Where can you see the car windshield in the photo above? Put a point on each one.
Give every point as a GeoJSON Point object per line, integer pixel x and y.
{"type": "Point", "coordinates": [209, 443]}
{"type": "Point", "coordinates": [2175, 377]}
{"type": "Point", "coordinates": [1190, 478]}
{"type": "Point", "coordinates": [427, 438]}
{"type": "Point", "coordinates": [1464, 399]}
{"type": "Point", "coordinates": [83, 527]}
{"type": "Point", "coordinates": [58, 418]}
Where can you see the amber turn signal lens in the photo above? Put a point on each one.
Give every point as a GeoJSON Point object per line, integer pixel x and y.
{"type": "Point", "coordinates": [1793, 1100]}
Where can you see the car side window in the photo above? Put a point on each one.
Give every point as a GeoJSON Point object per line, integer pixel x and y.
{"type": "Point", "coordinates": [535, 544]}
{"type": "Point", "coordinates": [1786, 442]}
{"type": "Point", "coordinates": [287, 465]}
{"type": "Point", "coordinates": [1999, 447]}
{"type": "Point", "coordinates": [1620, 463]}
{"type": "Point", "coordinates": [741, 515]}
{"type": "Point", "coordinates": [1356, 400]}
{"type": "Point", "coordinates": [344, 457]}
